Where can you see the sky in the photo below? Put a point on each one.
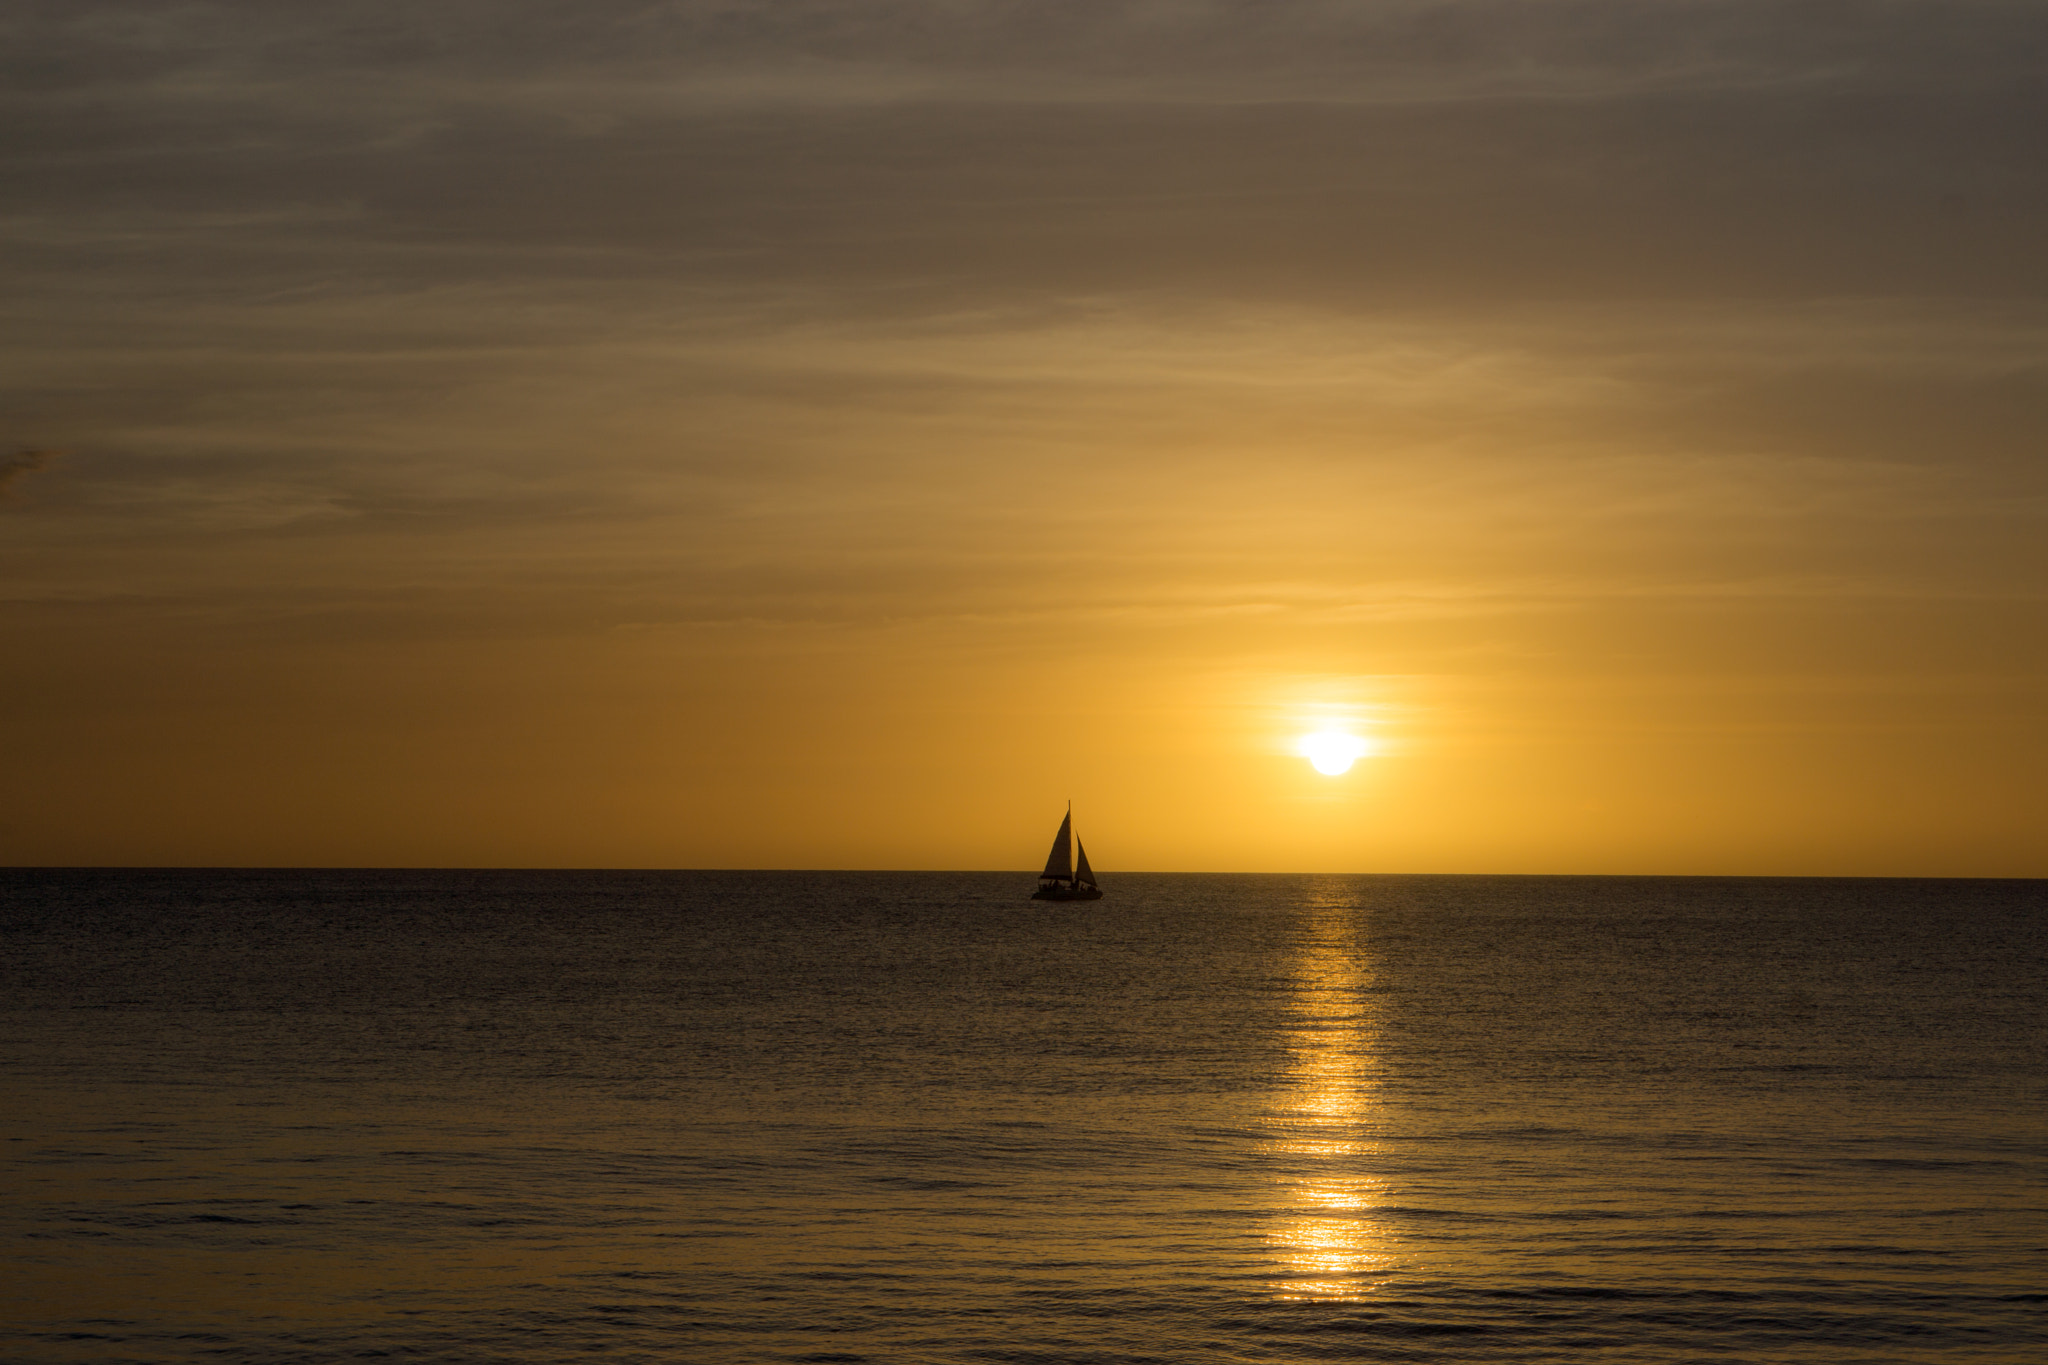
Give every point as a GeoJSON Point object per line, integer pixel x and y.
{"type": "Point", "coordinates": [841, 434]}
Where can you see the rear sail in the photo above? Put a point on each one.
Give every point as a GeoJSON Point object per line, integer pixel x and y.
{"type": "Point", "coordinates": [1060, 863]}
{"type": "Point", "coordinates": [1087, 873]}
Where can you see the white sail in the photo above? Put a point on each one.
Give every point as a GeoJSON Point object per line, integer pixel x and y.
{"type": "Point", "coordinates": [1060, 863]}
{"type": "Point", "coordinates": [1086, 873]}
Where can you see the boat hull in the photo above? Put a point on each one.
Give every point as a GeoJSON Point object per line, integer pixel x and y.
{"type": "Point", "coordinates": [1066, 893]}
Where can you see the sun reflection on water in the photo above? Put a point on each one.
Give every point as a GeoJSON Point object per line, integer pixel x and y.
{"type": "Point", "coordinates": [1326, 1234]}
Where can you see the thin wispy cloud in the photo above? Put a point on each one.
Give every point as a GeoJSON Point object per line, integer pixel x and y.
{"type": "Point", "coordinates": [15, 467]}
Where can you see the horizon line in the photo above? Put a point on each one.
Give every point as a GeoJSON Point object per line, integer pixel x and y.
{"type": "Point", "coordinates": [1004, 872]}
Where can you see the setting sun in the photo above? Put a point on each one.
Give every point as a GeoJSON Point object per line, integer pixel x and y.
{"type": "Point", "coordinates": [1333, 751]}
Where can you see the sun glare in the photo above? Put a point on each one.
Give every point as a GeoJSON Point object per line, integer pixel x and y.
{"type": "Point", "coordinates": [1333, 751]}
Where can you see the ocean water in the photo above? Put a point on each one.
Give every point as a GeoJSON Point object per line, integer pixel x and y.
{"type": "Point", "coordinates": [741, 1117]}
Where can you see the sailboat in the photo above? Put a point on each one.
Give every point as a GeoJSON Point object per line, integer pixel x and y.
{"type": "Point", "coordinates": [1065, 879]}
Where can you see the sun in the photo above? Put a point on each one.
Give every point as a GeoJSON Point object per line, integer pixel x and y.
{"type": "Point", "coordinates": [1333, 751]}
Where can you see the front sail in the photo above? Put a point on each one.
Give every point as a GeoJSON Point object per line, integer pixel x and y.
{"type": "Point", "coordinates": [1087, 873]}
{"type": "Point", "coordinates": [1060, 863]}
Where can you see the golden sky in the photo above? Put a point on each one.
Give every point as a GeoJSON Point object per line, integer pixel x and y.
{"type": "Point", "coordinates": [836, 435]}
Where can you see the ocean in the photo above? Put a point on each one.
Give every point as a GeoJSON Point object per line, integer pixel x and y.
{"type": "Point", "coordinates": [801, 1117]}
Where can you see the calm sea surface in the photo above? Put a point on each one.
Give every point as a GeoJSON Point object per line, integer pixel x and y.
{"type": "Point", "coordinates": [738, 1117]}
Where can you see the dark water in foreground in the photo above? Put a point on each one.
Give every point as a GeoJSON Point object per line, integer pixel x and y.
{"type": "Point", "coordinates": [731, 1117]}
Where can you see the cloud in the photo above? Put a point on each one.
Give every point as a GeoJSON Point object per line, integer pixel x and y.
{"type": "Point", "coordinates": [818, 52]}
{"type": "Point", "coordinates": [789, 272]}
{"type": "Point", "coordinates": [13, 468]}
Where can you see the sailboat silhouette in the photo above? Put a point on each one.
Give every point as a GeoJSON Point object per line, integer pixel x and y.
{"type": "Point", "coordinates": [1065, 878]}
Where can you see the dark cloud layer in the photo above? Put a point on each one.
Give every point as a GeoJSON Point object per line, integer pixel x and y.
{"type": "Point", "coordinates": [1370, 152]}
{"type": "Point", "coordinates": [1314, 47]}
